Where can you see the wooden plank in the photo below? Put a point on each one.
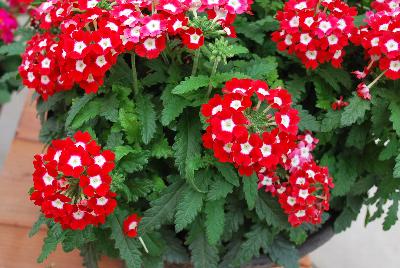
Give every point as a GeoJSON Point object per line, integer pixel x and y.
{"type": "Point", "coordinates": [17, 250]}
{"type": "Point", "coordinates": [29, 125]}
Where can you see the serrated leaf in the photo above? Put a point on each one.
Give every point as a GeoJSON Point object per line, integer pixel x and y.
{"type": "Point", "coordinates": [55, 235]}
{"type": "Point", "coordinates": [221, 78]}
{"type": "Point", "coordinates": [355, 111]}
{"type": "Point", "coordinates": [335, 77]}
{"type": "Point", "coordinates": [390, 150]}
{"type": "Point", "coordinates": [190, 84]}
{"type": "Point", "coordinates": [203, 254]}
{"type": "Point", "coordinates": [391, 216]}
{"type": "Point", "coordinates": [344, 220]}
{"type": "Point", "coordinates": [357, 137]}
{"type": "Point", "coordinates": [162, 209]}
{"type": "Point", "coordinates": [344, 177]}
{"type": "Point", "coordinates": [396, 170]}
{"type": "Point", "coordinates": [128, 247]}
{"type": "Point", "coordinates": [250, 189]}
{"type": "Point", "coordinates": [284, 253]}
{"type": "Point", "coordinates": [175, 251]}
{"type": "Point", "coordinates": [269, 210]}
{"type": "Point", "coordinates": [228, 172]}
{"type": "Point", "coordinates": [173, 106]}
{"type": "Point", "coordinates": [215, 220]}
{"type": "Point", "coordinates": [122, 151]}
{"type": "Point", "coordinates": [187, 146]}
{"type": "Point", "coordinates": [219, 189]}
{"type": "Point", "coordinates": [77, 105]}
{"type": "Point", "coordinates": [331, 121]}
{"type": "Point", "coordinates": [394, 108]}
{"type": "Point", "coordinates": [258, 238]}
{"type": "Point", "coordinates": [147, 117]}
{"type": "Point", "coordinates": [307, 121]}
{"type": "Point", "coordinates": [188, 207]}
{"type": "Point", "coordinates": [92, 109]}
{"type": "Point", "coordinates": [161, 149]}
{"type": "Point", "coordinates": [36, 226]}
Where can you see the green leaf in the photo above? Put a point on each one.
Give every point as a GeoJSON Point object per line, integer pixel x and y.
{"type": "Point", "coordinates": [335, 77]}
{"type": "Point", "coordinates": [75, 239]}
{"type": "Point", "coordinates": [331, 121]}
{"type": "Point", "coordinates": [16, 48]}
{"type": "Point", "coordinates": [390, 150]}
{"type": "Point", "coordinates": [215, 220]}
{"type": "Point", "coordinates": [173, 106]}
{"type": "Point", "coordinates": [147, 117]}
{"type": "Point", "coordinates": [307, 121]}
{"type": "Point", "coordinates": [8, 76]}
{"type": "Point", "coordinates": [284, 253]}
{"type": "Point", "coordinates": [297, 235]}
{"type": "Point", "coordinates": [175, 251]}
{"type": "Point", "coordinates": [203, 254]}
{"type": "Point", "coordinates": [344, 220]}
{"type": "Point", "coordinates": [391, 216]}
{"type": "Point", "coordinates": [396, 170]}
{"type": "Point", "coordinates": [221, 78]}
{"type": "Point", "coordinates": [36, 226]}
{"type": "Point", "coordinates": [228, 172]}
{"type": "Point", "coordinates": [92, 109]}
{"type": "Point", "coordinates": [162, 209]}
{"type": "Point", "coordinates": [190, 84]}
{"type": "Point", "coordinates": [188, 207]}
{"type": "Point", "coordinates": [394, 108]}
{"type": "Point", "coordinates": [130, 124]}
{"type": "Point", "coordinates": [344, 177]}
{"type": "Point", "coordinates": [161, 149]}
{"type": "Point", "coordinates": [187, 146]}
{"type": "Point", "coordinates": [219, 189]}
{"type": "Point", "coordinates": [77, 105]}
{"type": "Point", "coordinates": [355, 111]}
{"type": "Point", "coordinates": [128, 247]}
{"type": "Point", "coordinates": [258, 238]}
{"type": "Point", "coordinates": [357, 137]}
{"type": "Point", "coordinates": [250, 189]}
{"type": "Point", "coordinates": [5, 96]}
{"type": "Point", "coordinates": [269, 210]}
{"type": "Point", "coordinates": [122, 151]}
{"type": "Point", "coordinates": [55, 235]}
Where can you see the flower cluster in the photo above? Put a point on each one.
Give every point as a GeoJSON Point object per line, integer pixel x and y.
{"type": "Point", "coordinates": [380, 38]}
{"type": "Point", "coordinates": [93, 33]}
{"type": "Point", "coordinates": [8, 24]}
{"type": "Point", "coordinates": [264, 139]}
{"type": "Point", "coordinates": [72, 182]}
{"type": "Point", "coordinates": [19, 5]}
{"type": "Point", "coordinates": [316, 31]}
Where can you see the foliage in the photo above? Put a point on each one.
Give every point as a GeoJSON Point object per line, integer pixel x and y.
{"type": "Point", "coordinates": [203, 210]}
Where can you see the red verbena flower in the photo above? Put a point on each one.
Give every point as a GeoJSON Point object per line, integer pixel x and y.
{"type": "Point", "coordinates": [71, 182]}
{"type": "Point", "coordinates": [131, 224]}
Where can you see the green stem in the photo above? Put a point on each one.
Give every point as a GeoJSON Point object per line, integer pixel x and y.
{"type": "Point", "coordinates": [196, 61]}
{"type": "Point", "coordinates": [214, 70]}
{"type": "Point", "coordinates": [134, 75]}
{"type": "Point", "coordinates": [376, 79]}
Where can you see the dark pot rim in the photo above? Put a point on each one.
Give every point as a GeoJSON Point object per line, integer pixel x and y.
{"type": "Point", "coordinates": [313, 242]}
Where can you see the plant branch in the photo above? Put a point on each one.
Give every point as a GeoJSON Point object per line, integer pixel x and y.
{"type": "Point", "coordinates": [134, 75]}
{"type": "Point", "coordinates": [213, 71]}
{"type": "Point", "coordinates": [196, 62]}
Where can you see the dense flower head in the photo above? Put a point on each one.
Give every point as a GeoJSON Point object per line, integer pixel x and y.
{"type": "Point", "coordinates": [72, 182]}
{"type": "Point", "coordinates": [264, 139]}
{"type": "Point", "coordinates": [380, 38]}
{"type": "Point", "coordinates": [20, 5]}
{"type": "Point", "coordinates": [315, 31]}
{"type": "Point", "coordinates": [8, 24]}
{"type": "Point", "coordinates": [91, 34]}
